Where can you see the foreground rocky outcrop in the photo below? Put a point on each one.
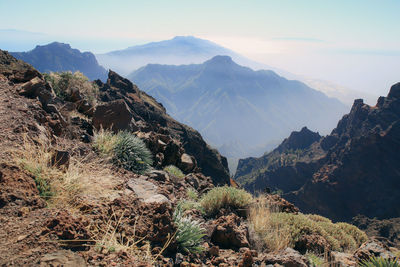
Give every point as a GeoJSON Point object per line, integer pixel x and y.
{"type": "Point", "coordinates": [127, 209]}
{"type": "Point", "coordinates": [126, 107]}
{"type": "Point", "coordinates": [354, 170]}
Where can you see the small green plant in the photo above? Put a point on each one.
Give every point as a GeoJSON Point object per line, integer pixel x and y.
{"type": "Point", "coordinates": [379, 262]}
{"type": "Point", "coordinates": [189, 233]}
{"type": "Point", "coordinates": [315, 260]}
{"type": "Point", "coordinates": [224, 197]}
{"type": "Point", "coordinates": [174, 171]}
{"type": "Point", "coordinates": [131, 153]}
{"type": "Point", "coordinates": [124, 149]}
{"type": "Point", "coordinates": [42, 184]}
{"type": "Point", "coordinates": [104, 142]}
{"type": "Point", "coordinates": [192, 194]}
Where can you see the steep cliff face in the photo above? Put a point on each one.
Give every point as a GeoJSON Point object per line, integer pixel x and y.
{"type": "Point", "coordinates": [291, 159]}
{"type": "Point", "coordinates": [354, 170]}
{"type": "Point", "coordinates": [150, 116]}
{"type": "Point", "coordinates": [58, 57]}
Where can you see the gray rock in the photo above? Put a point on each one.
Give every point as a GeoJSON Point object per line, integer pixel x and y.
{"type": "Point", "coordinates": [146, 190]}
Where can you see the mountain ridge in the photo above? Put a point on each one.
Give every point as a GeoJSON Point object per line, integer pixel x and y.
{"type": "Point", "coordinates": [354, 170]}
{"type": "Point", "coordinates": [217, 94]}
{"type": "Point", "coordinates": [59, 57]}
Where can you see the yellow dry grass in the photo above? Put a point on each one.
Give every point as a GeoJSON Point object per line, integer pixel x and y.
{"type": "Point", "coordinates": [274, 237]}
{"type": "Point", "coordinates": [279, 230]}
{"type": "Point", "coordinates": [86, 178]}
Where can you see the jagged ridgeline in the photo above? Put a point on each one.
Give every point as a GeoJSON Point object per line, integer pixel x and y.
{"type": "Point", "coordinates": [354, 170]}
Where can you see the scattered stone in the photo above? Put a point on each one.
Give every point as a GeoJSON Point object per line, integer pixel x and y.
{"type": "Point", "coordinates": [62, 258]}
{"type": "Point", "coordinates": [287, 257]}
{"type": "Point", "coordinates": [373, 248]}
{"type": "Point", "coordinates": [343, 259]}
{"type": "Point", "coordinates": [146, 190]}
{"type": "Point", "coordinates": [187, 163]}
{"type": "Point", "coordinates": [230, 232]}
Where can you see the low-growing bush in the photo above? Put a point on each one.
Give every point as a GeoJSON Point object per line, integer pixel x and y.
{"type": "Point", "coordinates": [124, 149]}
{"type": "Point", "coordinates": [189, 233]}
{"type": "Point", "coordinates": [192, 194]}
{"type": "Point", "coordinates": [279, 230]}
{"type": "Point", "coordinates": [131, 153]}
{"type": "Point", "coordinates": [174, 171]}
{"type": "Point", "coordinates": [314, 259]}
{"type": "Point", "coordinates": [358, 235]}
{"type": "Point", "coordinates": [224, 197]}
{"type": "Point", "coordinates": [380, 262]}
{"type": "Point", "coordinates": [63, 82]}
{"type": "Point", "coordinates": [41, 180]}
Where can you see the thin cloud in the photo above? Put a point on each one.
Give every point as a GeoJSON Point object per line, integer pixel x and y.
{"type": "Point", "coordinates": [299, 39]}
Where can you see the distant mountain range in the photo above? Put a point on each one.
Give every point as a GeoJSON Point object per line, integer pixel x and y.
{"type": "Point", "coordinates": [177, 51]}
{"type": "Point", "coordinates": [184, 50]}
{"type": "Point", "coordinates": [58, 57]}
{"type": "Point", "coordinates": [354, 170]}
{"type": "Point", "coordinates": [234, 107]}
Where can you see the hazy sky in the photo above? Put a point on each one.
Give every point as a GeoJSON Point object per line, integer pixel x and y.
{"type": "Point", "coordinates": [355, 43]}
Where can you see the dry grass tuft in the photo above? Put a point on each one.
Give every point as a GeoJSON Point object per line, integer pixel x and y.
{"type": "Point", "coordinates": [224, 197]}
{"type": "Point", "coordinates": [279, 230]}
{"type": "Point", "coordinates": [274, 236]}
{"type": "Point", "coordinates": [108, 238]}
{"type": "Point", "coordinates": [85, 178]}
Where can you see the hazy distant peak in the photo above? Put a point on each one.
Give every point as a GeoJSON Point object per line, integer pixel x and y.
{"type": "Point", "coordinates": [54, 45]}
{"type": "Point", "coordinates": [223, 60]}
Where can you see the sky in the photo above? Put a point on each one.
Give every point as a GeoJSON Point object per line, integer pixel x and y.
{"type": "Point", "coordinates": [354, 43]}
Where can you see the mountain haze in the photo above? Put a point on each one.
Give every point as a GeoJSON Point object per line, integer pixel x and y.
{"type": "Point", "coordinates": [354, 170]}
{"type": "Point", "coordinates": [58, 57]}
{"type": "Point", "coordinates": [176, 51]}
{"type": "Point", "coordinates": [234, 106]}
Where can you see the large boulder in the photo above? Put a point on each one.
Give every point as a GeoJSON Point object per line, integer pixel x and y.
{"type": "Point", "coordinates": [114, 115]}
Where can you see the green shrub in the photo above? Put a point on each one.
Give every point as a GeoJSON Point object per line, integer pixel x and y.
{"type": "Point", "coordinates": [63, 82]}
{"type": "Point", "coordinates": [190, 205]}
{"type": "Point", "coordinates": [41, 182]}
{"type": "Point", "coordinates": [131, 153]}
{"type": "Point", "coordinates": [189, 233]}
{"type": "Point", "coordinates": [224, 197]}
{"type": "Point", "coordinates": [379, 262]}
{"type": "Point", "coordinates": [174, 171]}
{"type": "Point", "coordinates": [298, 225]}
{"type": "Point", "coordinates": [192, 194]}
{"type": "Point", "coordinates": [315, 260]}
{"type": "Point", "coordinates": [358, 235]}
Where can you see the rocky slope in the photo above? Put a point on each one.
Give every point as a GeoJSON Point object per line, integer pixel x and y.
{"type": "Point", "coordinates": [63, 203]}
{"type": "Point", "coordinates": [354, 170]}
{"type": "Point", "coordinates": [59, 57]}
